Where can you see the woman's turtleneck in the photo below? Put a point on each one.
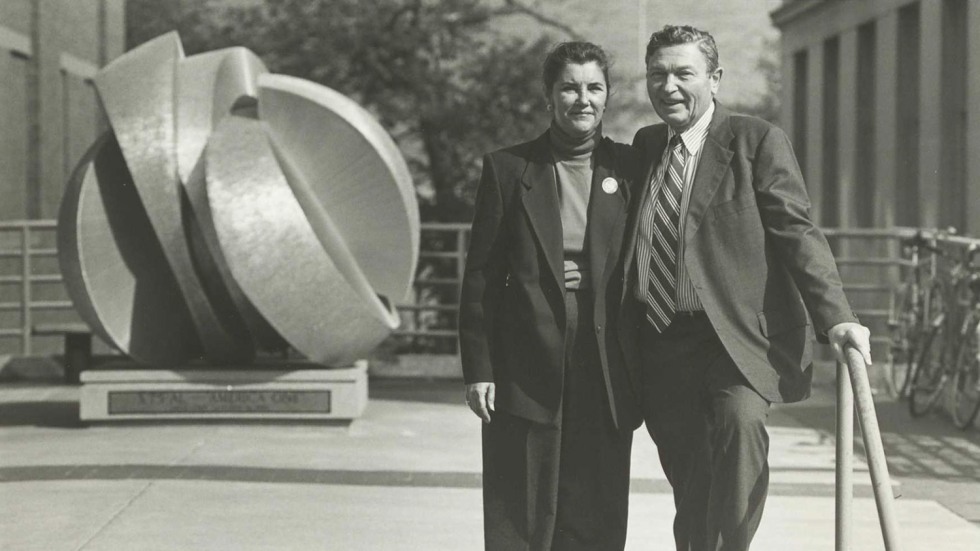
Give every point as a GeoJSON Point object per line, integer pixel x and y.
{"type": "Point", "coordinates": [567, 146]}
{"type": "Point", "coordinates": [573, 170]}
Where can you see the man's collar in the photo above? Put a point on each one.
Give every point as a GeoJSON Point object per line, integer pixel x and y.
{"type": "Point", "coordinates": [694, 136]}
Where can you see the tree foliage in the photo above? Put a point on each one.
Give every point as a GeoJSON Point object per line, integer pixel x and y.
{"type": "Point", "coordinates": [767, 105]}
{"type": "Point", "coordinates": [439, 74]}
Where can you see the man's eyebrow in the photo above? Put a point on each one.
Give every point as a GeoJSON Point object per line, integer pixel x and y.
{"type": "Point", "coordinates": [677, 67]}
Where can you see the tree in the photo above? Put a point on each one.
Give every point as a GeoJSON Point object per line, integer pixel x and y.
{"type": "Point", "coordinates": [767, 105]}
{"type": "Point", "coordinates": [437, 73]}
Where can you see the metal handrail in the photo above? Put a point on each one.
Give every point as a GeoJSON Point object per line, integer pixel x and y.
{"type": "Point", "coordinates": [854, 395]}
{"type": "Point", "coordinates": [46, 224]}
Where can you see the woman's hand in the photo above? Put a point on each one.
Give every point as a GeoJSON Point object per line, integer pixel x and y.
{"type": "Point", "coordinates": [479, 396]}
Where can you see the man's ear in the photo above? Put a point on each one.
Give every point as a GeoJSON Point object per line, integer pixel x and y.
{"type": "Point", "coordinates": [716, 80]}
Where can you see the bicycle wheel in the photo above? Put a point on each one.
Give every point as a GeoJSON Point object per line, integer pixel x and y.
{"type": "Point", "coordinates": [903, 331]}
{"type": "Point", "coordinates": [966, 378]}
{"type": "Point", "coordinates": [929, 377]}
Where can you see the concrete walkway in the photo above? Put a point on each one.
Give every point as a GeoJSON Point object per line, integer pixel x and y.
{"type": "Point", "coordinates": [406, 477]}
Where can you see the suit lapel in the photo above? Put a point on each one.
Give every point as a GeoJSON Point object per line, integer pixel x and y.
{"type": "Point", "coordinates": [715, 158]}
{"type": "Point", "coordinates": [540, 200]}
{"type": "Point", "coordinates": [606, 209]}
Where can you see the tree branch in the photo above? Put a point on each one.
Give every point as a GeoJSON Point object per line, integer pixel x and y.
{"type": "Point", "coordinates": [518, 7]}
{"type": "Point", "coordinates": [511, 7]}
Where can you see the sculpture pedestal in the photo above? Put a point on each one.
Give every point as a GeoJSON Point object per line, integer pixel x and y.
{"type": "Point", "coordinates": [267, 391]}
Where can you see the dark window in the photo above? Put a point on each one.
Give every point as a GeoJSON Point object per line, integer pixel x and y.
{"type": "Point", "coordinates": [907, 117]}
{"type": "Point", "coordinates": [830, 197]}
{"type": "Point", "coordinates": [800, 106]}
{"type": "Point", "coordinates": [952, 169]}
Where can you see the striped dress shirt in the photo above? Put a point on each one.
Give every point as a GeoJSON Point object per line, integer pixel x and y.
{"type": "Point", "coordinates": [693, 139]}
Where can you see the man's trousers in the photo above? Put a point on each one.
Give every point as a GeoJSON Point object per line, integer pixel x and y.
{"type": "Point", "coordinates": [709, 427]}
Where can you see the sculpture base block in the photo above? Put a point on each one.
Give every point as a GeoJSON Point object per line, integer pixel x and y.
{"type": "Point", "coordinates": [269, 391]}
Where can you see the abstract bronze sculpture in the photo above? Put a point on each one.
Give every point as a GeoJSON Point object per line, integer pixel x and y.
{"type": "Point", "coordinates": [229, 210]}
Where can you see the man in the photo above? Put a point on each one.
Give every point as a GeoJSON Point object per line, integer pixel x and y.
{"type": "Point", "coordinates": [725, 267]}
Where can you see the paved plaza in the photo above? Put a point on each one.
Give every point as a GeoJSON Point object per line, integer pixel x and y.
{"type": "Point", "coordinates": [406, 476]}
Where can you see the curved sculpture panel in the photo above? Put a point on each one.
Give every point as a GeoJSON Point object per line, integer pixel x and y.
{"type": "Point", "coordinates": [305, 282]}
{"type": "Point", "coordinates": [210, 86]}
{"type": "Point", "coordinates": [347, 165]}
{"type": "Point", "coordinates": [113, 266]}
{"type": "Point", "coordinates": [229, 210]}
{"type": "Point", "coordinates": [138, 95]}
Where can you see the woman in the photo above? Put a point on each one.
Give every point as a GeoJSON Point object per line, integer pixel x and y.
{"type": "Point", "coordinates": [541, 366]}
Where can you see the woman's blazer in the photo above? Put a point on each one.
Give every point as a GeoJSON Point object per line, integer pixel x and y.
{"type": "Point", "coordinates": [512, 307]}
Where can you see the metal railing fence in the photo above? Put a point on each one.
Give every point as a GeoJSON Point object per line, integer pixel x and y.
{"type": "Point", "coordinates": [870, 262]}
{"type": "Point", "coordinates": [23, 245]}
{"type": "Point", "coordinates": [428, 320]}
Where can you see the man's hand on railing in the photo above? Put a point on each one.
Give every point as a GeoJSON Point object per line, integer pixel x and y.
{"type": "Point", "coordinates": [851, 333]}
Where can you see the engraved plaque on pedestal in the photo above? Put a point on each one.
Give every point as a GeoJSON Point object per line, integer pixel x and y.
{"type": "Point", "coordinates": [297, 390]}
{"type": "Point", "coordinates": [126, 402]}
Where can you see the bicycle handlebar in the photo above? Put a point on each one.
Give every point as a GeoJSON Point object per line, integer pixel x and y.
{"type": "Point", "coordinates": [921, 241]}
{"type": "Point", "coordinates": [971, 251]}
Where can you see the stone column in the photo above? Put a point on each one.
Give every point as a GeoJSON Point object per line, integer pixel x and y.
{"type": "Point", "coordinates": [847, 126]}
{"type": "Point", "coordinates": [787, 93]}
{"type": "Point", "coordinates": [930, 120]}
{"type": "Point", "coordinates": [885, 105]}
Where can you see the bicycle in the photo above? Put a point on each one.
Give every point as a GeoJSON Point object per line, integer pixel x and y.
{"type": "Point", "coordinates": [966, 367]}
{"type": "Point", "coordinates": [912, 310]}
{"type": "Point", "coordinates": [935, 365]}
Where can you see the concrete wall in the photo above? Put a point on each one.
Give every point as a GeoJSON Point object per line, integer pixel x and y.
{"type": "Point", "coordinates": [903, 142]}
{"type": "Point", "coordinates": [49, 50]}
{"type": "Point", "coordinates": [49, 115]}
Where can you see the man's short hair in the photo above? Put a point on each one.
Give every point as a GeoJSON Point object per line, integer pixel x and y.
{"type": "Point", "coordinates": [675, 35]}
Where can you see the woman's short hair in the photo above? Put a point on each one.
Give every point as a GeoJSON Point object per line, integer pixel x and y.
{"type": "Point", "coordinates": [578, 53]}
{"type": "Point", "coordinates": [675, 35]}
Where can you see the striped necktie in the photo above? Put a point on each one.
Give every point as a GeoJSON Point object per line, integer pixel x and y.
{"type": "Point", "coordinates": [662, 283]}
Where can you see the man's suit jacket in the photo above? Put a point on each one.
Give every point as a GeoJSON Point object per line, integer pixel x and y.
{"type": "Point", "coordinates": [512, 305]}
{"type": "Point", "coordinates": [757, 262]}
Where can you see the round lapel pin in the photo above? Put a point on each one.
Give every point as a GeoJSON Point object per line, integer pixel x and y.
{"type": "Point", "coordinates": [610, 185]}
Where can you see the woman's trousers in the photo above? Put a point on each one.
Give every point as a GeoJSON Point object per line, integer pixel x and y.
{"type": "Point", "coordinates": [562, 487]}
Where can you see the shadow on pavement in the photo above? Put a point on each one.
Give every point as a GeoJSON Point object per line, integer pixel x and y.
{"type": "Point", "coordinates": [53, 414]}
{"type": "Point", "coordinates": [227, 473]}
{"type": "Point", "coordinates": [930, 447]}
{"type": "Point", "coordinates": [433, 391]}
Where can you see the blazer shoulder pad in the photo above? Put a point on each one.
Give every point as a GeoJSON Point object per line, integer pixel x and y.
{"type": "Point", "coordinates": [750, 126]}
{"type": "Point", "coordinates": [619, 150]}
{"type": "Point", "coordinates": [510, 162]}
{"type": "Point", "coordinates": [646, 133]}
{"type": "Point", "coordinates": [622, 158]}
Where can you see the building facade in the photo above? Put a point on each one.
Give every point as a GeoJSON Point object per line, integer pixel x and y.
{"type": "Point", "coordinates": [49, 114]}
{"type": "Point", "coordinates": [881, 99]}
